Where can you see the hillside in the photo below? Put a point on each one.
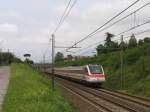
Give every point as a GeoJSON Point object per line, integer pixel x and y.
{"type": "Point", "coordinates": [136, 69]}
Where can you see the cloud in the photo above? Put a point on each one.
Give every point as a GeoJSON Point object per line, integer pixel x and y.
{"type": "Point", "coordinates": [26, 26]}
{"type": "Point", "coordinates": [8, 28]}
{"type": "Point", "coordinates": [9, 14]}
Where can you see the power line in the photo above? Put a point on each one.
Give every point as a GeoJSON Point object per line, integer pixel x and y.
{"type": "Point", "coordinates": [122, 33]}
{"type": "Point", "coordinates": [73, 4]}
{"type": "Point", "coordinates": [62, 16]}
{"type": "Point", "coordinates": [125, 32]}
{"type": "Point", "coordinates": [134, 27]}
{"type": "Point", "coordinates": [139, 33]}
{"type": "Point", "coordinates": [118, 35]}
{"type": "Point", "coordinates": [123, 18]}
{"type": "Point", "coordinates": [94, 32]}
{"type": "Point", "coordinates": [65, 14]}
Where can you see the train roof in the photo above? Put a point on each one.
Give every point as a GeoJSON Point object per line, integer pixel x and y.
{"type": "Point", "coordinates": [75, 67]}
{"type": "Point", "coordinates": [71, 68]}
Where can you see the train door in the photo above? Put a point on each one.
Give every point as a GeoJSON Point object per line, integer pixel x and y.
{"type": "Point", "coordinates": [85, 72]}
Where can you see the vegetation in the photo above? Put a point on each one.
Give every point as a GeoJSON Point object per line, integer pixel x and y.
{"type": "Point", "coordinates": [27, 60]}
{"type": "Point", "coordinates": [136, 66]}
{"type": "Point", "coordinates": [59, 57]}
{"type": "Point", "coordinates": [29, 91]}
{"type": "Point", "coordinates": [8, 58]}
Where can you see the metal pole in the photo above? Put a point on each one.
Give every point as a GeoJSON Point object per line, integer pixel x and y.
{"type": "Point", "coordinates": [121, 60]}
{"type": "Point", "coordinates": [8, 58]}
{"type": "Point", "coordinates": [44, 62]}
{"type": "Point", "coordinates": [1, 56]}
{"type": "Point", "coordinates": [53, 60]}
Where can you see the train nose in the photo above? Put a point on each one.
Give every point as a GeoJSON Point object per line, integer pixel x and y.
{"type": "Point", "coordinates": [98, 75]}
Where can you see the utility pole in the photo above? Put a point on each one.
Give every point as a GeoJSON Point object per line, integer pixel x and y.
{"type": "Point", "coordinates": [8, 58]}
{"type": "Point", "coordinates": [43, 58]}
{"type": "Point", "coordinates": [44, 61]}
{"type": "Point", "coordinates": [1, 56]}
{"type": "Point", "coordinates": [53, 60]}
{"type": "Point", "coordinates": [121, 60]}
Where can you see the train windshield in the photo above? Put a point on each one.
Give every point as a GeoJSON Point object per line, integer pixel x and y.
{"type": "Point", "coordinates": [95, 69]}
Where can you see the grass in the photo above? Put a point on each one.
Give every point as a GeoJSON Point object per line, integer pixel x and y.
{"type": "Point", "coordinates": [29, 91]}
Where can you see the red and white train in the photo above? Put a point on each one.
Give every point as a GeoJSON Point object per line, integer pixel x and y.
{"type": "Point", "coordinates": [91, 73]}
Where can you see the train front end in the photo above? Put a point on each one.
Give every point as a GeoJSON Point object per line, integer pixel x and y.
{"type": "Point", "coordinates": [95, 74]}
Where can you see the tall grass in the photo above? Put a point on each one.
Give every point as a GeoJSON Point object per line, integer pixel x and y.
{"type": "Point", "coordinates": [29, 91]}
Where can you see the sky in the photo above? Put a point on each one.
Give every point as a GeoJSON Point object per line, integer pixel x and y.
{"type": "Point", "coordinates": [26, 25]}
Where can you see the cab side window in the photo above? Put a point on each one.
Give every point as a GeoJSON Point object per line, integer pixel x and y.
{"type": "Point", "coordinates": [85, 70]}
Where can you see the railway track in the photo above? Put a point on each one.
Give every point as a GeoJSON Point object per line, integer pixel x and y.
{"type": "Point", "coordinates": [102, 105]}
{"type": "Point", "coordinates": [138, 100]}
{"type": "Point", "coordinates": [107, 101]}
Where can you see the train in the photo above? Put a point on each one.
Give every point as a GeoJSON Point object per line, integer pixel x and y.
{"type": "Point", "coordinates": [91, 74]}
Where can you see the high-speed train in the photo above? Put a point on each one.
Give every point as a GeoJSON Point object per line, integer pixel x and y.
{"type": "Point", "coordinates": [91, 73]}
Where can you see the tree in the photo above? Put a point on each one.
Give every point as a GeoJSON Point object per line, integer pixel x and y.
{"type": "Point", "coordinates": [108, 39]}
{"type": "Point", "coordinates": [147, 40]}
{"type": "Point", "coordinates": [7, 58]}
{"type": "Point", "coordinates": [132, 41]}
{"type": "Point", "coordinates": [113, 44]}
{"type": "Point", "coordinates": [100, 49]}
{"type": "Point", "coordinates": [109, 45]}
{"type": "Point", "coordinates": [140, 42]}
{"type": "Point", "coordinates": [123, 45]}
{"type": "Point", "coordinates": [27, 55]}
{"type": "Point", "coordinates": [59, 57]}
{"type": "Point", "coordinates": [27, 60]}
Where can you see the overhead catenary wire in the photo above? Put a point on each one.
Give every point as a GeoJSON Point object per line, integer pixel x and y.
{"type": "Point", "coordinates": [69, 10]}
{"type": "Point", "coordinates": [139, 33]}
{"type": "Point", "coordinates": [94, 32]}
{"type": "Point", "coordinates": [47, 48]}
{"type": "Point", "coordinates": [65, 14]}
{"type": "Point", "coordinates": [134, 27]}
{"type": "Point", "coordinates": [122, 18]}
{"type": "Point", "coordinates": [62, 16]}
{"type": "Point", "coordinates": [135, 11]}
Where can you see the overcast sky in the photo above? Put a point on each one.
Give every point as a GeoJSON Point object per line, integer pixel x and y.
{"type": "Point", "coordinates": [26, 25]}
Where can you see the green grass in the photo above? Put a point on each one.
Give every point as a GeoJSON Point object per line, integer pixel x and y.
{"type": "Point", "coordinates": [29, 91]}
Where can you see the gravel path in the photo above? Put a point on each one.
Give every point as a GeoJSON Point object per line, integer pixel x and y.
{"type": "Point", "coordinates": [4, 80]}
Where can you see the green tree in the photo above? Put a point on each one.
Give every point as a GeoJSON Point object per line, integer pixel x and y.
{"type": "Point", "coordinates": [147, 40]}
{"type": "Point", "coordinates": [108, 39]}
{"type": "Point", "coordinates": [132, 41]}
{"type": "Point", "coordinates": [109, 44]}
{"type": "Point", "coordinates": [7, 58]}
{"type": "Point", "coordinates": [100, 49]}
{"type": "Point", "coordinates": [140, 42]}
{"type": "Point", "coordinates": [28, 61]}
{"type": "Point", "coordinates": [123, 45]}
{"type": "Point", "coordinates": [59, 57]}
